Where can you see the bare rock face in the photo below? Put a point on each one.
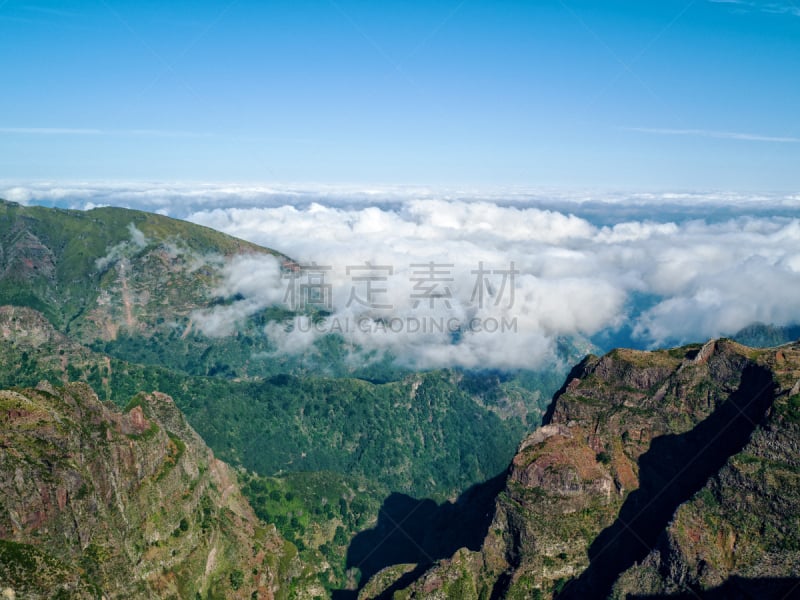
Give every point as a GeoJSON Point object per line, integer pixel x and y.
{"type": "Point", "coordinates": [666, 472]}
{"type": "Point", "coordinates": [94, 502]}
{"type": "Point", "coordinates": [740, 534]}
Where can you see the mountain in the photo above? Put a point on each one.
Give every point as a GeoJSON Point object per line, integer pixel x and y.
{"type": "Point", "coordinates": [124, 504]}
{"type": "Point", "coordinates": [759, 335]}
{"type": "Point", "coordinates": [125, 280]}
{"type": "Point", "coordinates": [61, 262]}
{"type": "Point", "coordinates": [656, 474]}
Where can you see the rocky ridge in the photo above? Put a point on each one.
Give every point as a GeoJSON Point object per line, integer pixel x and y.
{"type": "Point", "coordinates": [656, 473]}
{"type": "Point", "coordinates": [96, 502]}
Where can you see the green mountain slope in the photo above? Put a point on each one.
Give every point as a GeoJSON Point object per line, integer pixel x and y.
{"type": "Point", "coordinates": [60, 262]}
{"type": "Point", "coordinates": [128, 282]}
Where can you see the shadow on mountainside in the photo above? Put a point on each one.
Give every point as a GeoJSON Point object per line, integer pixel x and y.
{"type": "Point", "coordinates": [671, 472]}
{"type": "Point", "coordinates": [739, 588]}
{"type": "Point", "coordinates": [421, 532]}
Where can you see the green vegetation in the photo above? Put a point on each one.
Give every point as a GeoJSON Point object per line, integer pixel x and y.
{"type": "Point", "coordinates": [318, 512]}
{"type": "Point", "coordinates": [791, 410]}
{"type": "Point", "coordinates": [707, 497]}
{"type": "Point", "coordinates": [425, 435]}
{"type": "Point", "coordinates": [148, 521]}
{"type": "Point", "coordinates": [31, 570]}
{"type": "Point", "coordinates": [434, 443]}
{"type": "Point", "coordinates": [63, 245]}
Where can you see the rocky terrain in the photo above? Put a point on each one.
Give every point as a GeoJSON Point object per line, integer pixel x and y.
{"type": "Point", "coordinates": [97, 502]}
{"type": "Point", "coordinates": [663, 473]}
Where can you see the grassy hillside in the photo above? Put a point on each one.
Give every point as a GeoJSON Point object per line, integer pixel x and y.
{"type": "Point", "coordinates": [49, 258]}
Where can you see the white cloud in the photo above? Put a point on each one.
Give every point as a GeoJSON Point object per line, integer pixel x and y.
{"type": "Point", "coordinates": [723, 135]}
{"type": "Point", "coordinates": [254, 282]}
{"type": "Point", "coordinates": [137, 237]}
{"type": "Point", "coordinates": [137, 242]}
{"type": "Point", "coordinates": [787, 7]}
{"type": "Point", "coordinates": [705, 279]}
{"type": "Point", "coordinates": [182, 199]}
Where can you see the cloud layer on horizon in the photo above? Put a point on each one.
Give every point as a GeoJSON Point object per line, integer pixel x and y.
{"type": "Point", "coordinates": [182, 199]}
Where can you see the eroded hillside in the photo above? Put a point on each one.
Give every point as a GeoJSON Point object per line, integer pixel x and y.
{"type": "Point", "coordinates": [126, 504]}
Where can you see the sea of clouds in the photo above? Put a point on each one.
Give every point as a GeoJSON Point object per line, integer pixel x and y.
{"type": "Point", "coordinates": [650, 269]}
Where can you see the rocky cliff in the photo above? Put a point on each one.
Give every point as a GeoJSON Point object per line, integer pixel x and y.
{"type": "Point", "coordinates": [96, 502]}
{"type": "Point", "coordinates": [656, 473]}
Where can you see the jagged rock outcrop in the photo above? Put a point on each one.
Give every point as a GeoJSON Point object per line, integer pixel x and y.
{"type": "Point", "coordinates": [96, 502]}
{"type": "Point", "coordinates": [661, 472]}
{"type": "Point", "coordinates": [741, 532]}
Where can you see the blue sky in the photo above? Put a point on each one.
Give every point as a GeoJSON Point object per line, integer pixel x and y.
{"type": "Point", "coordinates": [639, 94]}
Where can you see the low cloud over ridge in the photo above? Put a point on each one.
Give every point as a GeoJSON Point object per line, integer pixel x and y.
{"type": "Point", "coordinates": [666, 282]}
